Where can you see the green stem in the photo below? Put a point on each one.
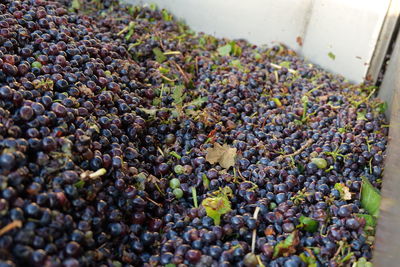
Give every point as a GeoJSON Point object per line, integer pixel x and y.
{"type": "Point", "coordinates": [194, 195]}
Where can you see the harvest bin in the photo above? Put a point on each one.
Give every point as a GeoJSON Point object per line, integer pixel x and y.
{"type": "Point", "coordinates": [140, 118]}
{"type": "Point", "coordinates": [353, 38]}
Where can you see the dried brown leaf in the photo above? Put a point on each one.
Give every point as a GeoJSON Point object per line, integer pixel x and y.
{"type": "Point", "coordinates": [224, 155]}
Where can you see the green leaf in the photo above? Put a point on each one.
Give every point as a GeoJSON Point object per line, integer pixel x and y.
{"type": "Point", "coordinates": [153, 7]}
{"type": "Point", "coordinates": [310, 225]}
{"type": "Point", "coordinates": [164, 70]}
{"type": "Point", "coordinates": [224, 50]}
{"type": "Point", "coordinates": [202, 41]}
{"type": "Point", "coordinates": [160, 57]}
{"type": "Point", "coordinates": [79, 184]}
{"type": "Point", "coordinates": [198, 101]}
{"type": "Point", "coordinates": [332, 55]}
{"type": "Point", "coordinates": [382, 107]}
{"type": "Point", "coordinates": [156, 101]}
{"type": "Point", "coordinates": [166, 16]}
{"type": "Point", "coordinates": [151, 112]}
{"type": "Point", "coordinates": [257, 56]}
{"type": "Point", "coordinates": [236, 49]}
{"type": "Point", "coordinates": [177, 94]}
{"type": "Point", "coordinates": [369, 220]}
{"type": "Point", "coordinates": [216, 206]}
{"type": "Point", "coordinates": [206, 182]}
{"type": "Point", "coordinates": [370, 197]}
{"type": "Point", "coordinates": [309, 260]}
{"type": "Point", "coordinates": [361, 115]}
{"type": "Point", "coordinates": [285, 64]}
{"type": "Point", "coordinates": [76, 5]}
{"type": "Point", "coordinates": [236, 63]}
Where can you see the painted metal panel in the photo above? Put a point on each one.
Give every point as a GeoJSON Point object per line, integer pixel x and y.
{"type": "Point", "coordinates": [387, 244]}
{"type": "Point", "coordinates": [347, 28]}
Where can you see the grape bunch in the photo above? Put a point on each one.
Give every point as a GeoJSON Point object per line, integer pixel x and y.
{"type": "Point", "coordinates": [127, 139]}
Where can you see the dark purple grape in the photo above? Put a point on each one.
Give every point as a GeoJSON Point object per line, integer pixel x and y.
{"type": "Point", "coordinates": [26, 113]}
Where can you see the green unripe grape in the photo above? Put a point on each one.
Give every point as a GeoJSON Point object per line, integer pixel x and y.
{"type": "Point", "coordinates": [179, 169]}
{"type": "Point", "coordinates": [36, 64]}
{"type": "Point", "coordinates": [178, 193]}
{"type": "Point", "coordinates": [174, 183]}
{"type": "Point", "coordinates": [320, 162]}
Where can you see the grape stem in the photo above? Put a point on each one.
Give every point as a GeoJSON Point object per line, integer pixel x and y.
{"type": "Point", "coordinates": [280, 67]}
{"type": "Point", "coordinates": [93, 175]}
{"type": "Point", "coordinates": [297, 152]}
{"type": "Point", "coordinates": [152, 201]}
{"type": "Point", "coordinates": [254, 237]}
{"type": "Point", "coordinates": [184, 75]}
{"type": "Point", "coordinates": [10, 226]}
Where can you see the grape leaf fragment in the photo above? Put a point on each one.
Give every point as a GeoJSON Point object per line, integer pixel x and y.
{"type": "Point", "coordinates": [287, 246]}
{"type": "Point", "coordinates": [224, 155]}
{"type": "Point", "coordinates": [370, 197]}
{"type": "Point", "coordinates": [343, 190]}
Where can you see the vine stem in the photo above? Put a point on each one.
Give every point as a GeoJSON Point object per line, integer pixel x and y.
{"type": "Point", "coordinates": [254, 237]}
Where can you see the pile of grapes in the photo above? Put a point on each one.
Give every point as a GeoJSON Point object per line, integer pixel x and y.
{"type": "Point", "coordinates": [126, 139]}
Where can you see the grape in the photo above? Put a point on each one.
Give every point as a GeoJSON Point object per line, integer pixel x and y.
{"type": "Point", "coordinates": [179, 169]}
{"type": "Point", "coordinates": [178, 193]}
{"type": "Point", "coordinates": [174, 183]}
{"type": "Point", "coordinates": [36, 64]}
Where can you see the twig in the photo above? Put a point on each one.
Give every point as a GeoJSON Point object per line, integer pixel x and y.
{"type": "Point", "coordinates": [280, 67]}
{"type": "Point", "coordinates": [159, 40]}
{"type": "Point", "coordinates": [93, 175]}
{"type": "Point", "coordinates": [167, 79]}
{"type": "Point", "coordinates": [10, 226]}
{"type": "Point", "coordinates": [184, 75]}
{"type": "Point", "coordinates": [341, 244]}
{"type": "Point", "coordinates": [161, 152]}
{"type": "Point", "coordinates": [254, 237]}
{"type": "Point", "coordinates": [152, 201]}
{"type": "Point", "coordinates": [196, 60]}
{"type": "Point", "coordinates": [297, 152]}
{"type": "Point", "coordinates": [240, 174]}
{"type": "Point", "coordinates": [98, 173]}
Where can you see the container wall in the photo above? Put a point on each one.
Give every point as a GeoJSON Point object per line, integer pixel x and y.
{"type": "Point", "coordinates": [347, 29]}
{"type": "Point", "coordinates": [387, 245]}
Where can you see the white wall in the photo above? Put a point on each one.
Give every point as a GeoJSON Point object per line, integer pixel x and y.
{"type": "Point", "coordinates": [347, 28]}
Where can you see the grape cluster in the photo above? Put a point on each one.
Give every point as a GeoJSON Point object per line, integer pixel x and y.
{"type": "Point", "coordinates": [107, 111]}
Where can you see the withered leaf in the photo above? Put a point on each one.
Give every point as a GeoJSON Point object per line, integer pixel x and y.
{"type": "Point", "coordinates": [287, 246]}
{"type": "Point", "coordinates": [233, 80]}
{"type": "Point", "coordinates": [224, 155]}
{"type": "Point", "coordinates": [343, 190]}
